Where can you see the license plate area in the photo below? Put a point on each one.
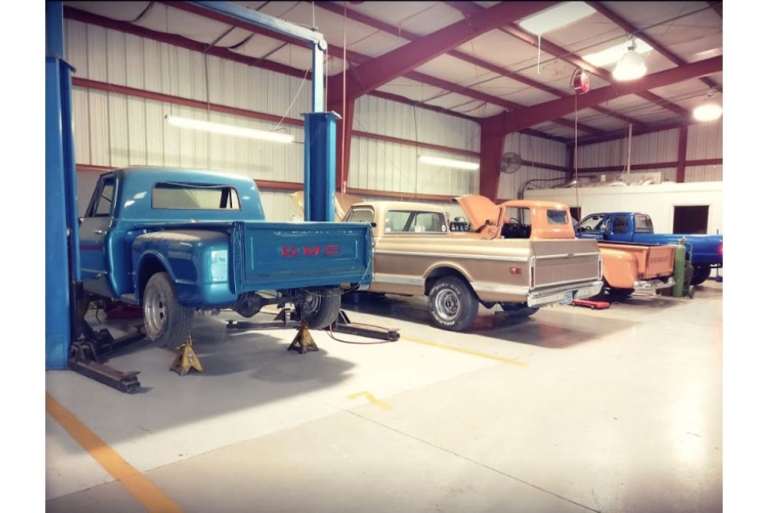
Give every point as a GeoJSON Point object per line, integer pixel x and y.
{"type": "Point", "coordinates": [568, 297]}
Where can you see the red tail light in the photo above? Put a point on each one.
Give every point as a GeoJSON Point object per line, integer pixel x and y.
{"type": "Point", "coordinates": [720, 249]}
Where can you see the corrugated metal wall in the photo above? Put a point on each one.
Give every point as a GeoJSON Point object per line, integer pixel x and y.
{"type": "Point", "coordinates": [116, 130]}
{"type": "Point", "coordinates": [533, 149]}
{"type": "Point", "coordinates": [391, 166]}
{"type": "Point", "coordinates": [645, 149]}
{"type": "Point", "coordinates": [705, 141]}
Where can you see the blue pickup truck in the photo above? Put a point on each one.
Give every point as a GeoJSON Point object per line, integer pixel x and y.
{"type": "Point", "coordinates": [705, 251]}
{"type": "Point", "coordinates": [176, 241]}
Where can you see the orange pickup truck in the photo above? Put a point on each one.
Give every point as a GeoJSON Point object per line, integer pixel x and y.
{"type": "Point", "coordinates": [626, 267]}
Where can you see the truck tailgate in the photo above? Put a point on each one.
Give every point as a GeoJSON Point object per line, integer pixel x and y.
{"type": "Point", "coordinates": [565, 261]}
{"type": "Point", "coordinates": [276, 256]}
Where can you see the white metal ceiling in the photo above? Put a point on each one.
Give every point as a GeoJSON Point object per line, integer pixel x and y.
{"type": "Point", "coordinates": [690, 30]}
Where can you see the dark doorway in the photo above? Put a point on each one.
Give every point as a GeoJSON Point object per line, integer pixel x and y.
{"type": "Point", "coordinates": [691, 220]}
{"type": "Point", "coordinates": [576, 213]}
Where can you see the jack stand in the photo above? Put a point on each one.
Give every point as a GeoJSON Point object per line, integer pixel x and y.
{"type": "Point", "coordinates": [186, 359]}
{"type": "Point", "coordinates": [344, 325]}
{"type": "Point", "coordinates": [303, 341]}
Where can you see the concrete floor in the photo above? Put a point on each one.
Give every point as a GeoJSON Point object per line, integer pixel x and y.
{"type": "Point", "coordinates": [572, 410]}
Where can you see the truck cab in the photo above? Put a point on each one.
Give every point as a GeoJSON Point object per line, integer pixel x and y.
{"type": "Point", "coordinates": [704, 251]}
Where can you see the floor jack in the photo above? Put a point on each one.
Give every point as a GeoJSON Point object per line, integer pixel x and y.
{"type": "Point", "coordinates": [88, 354]}
{"type": "Point", "coordinates": [344, 325]}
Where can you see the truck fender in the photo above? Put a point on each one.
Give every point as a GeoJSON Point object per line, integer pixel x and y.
{"type": "Point", "coordinates": [149, 263]}
{"type": "Point", "coordinates": [440, 269]}
{"type": "Point", "coordinates": [619, 268]}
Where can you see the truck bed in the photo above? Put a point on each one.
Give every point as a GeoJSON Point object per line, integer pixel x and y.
{"type": "Point", "coordinates": [653, 260]}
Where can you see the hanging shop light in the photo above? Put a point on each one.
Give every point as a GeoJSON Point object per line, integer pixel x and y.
{"type": "Point", "coordinates": [235, 131]}
{"type": "Point", "coordinates": [456, 164]}
{"type": "Point", "coordinates": [709, 109]}
{"type": "Point", "coordinates": [631, 66]}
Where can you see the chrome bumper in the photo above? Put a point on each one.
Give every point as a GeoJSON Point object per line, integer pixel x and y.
{"type": "Point", "coordinates": [654, 284]}
{"type": "Point", "coordinates": [564, 295]}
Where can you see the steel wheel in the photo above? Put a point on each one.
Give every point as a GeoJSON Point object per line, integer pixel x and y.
{"type": "Point", "coordinates": [167, 323]}
{"type": "Point", "coordinates": [453, 304]}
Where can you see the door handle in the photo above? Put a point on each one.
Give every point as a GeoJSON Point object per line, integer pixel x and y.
{"type": "Point", "coordinates": [99, 232]}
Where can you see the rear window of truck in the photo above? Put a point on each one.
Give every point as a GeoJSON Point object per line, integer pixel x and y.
{"type": "Point", "coordinates": [643, 224]}
{"type": "Point", "coordinates": [401, 221]}
{"type": "Point", "coordinates": [557, 217]}
{"type": "Point", "coordinates": [180, 196]}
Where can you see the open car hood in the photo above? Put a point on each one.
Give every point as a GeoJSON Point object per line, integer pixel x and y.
{"type": "Point", "coordinates": [478, 209]}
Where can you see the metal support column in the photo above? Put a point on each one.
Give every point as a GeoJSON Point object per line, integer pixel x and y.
{"type": "Point", "coordinates": [61, 258]}
{"type": "Point", "coordinates": [319, 165]}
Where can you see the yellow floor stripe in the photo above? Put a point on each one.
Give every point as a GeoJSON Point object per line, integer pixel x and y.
{"type": "Point", "coordinates": [371, 399]}
{"type": "Point", "coordinates": [499, 359]}
{"type": "Point", "coordinates": [148, 495]}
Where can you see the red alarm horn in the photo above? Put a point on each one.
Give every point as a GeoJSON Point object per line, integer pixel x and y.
{"type": "Point", "coordinates": [580, 81]}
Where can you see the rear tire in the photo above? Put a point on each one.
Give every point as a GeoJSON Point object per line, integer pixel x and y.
{"type": "Point", "coordinates": [700, 274]}
{"type": "Point", "coordinates": [320, 308]}
{"type": "Point", "coordinates": [621, 293]}
{"type": "Point", "coordinates": [166, 322]}
{"type": "Point", "coordinates": [453, 304]}
{"type": "Point", "coordinates": [518, 310]}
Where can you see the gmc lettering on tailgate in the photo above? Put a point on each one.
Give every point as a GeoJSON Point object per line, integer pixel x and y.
{"type": "Point", "coordinates": [295, 251]}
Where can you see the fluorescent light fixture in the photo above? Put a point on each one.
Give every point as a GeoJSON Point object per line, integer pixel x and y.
{"type": "Point", "coordinates": [457, 164]}
{"type": "Point", "coordinates": [556, 17]}
{"type": "Point", "coordinates": [236, 131]}
{"type": "Point", "coordinates": [709, 109]}
{"type": "Point", "coordinates": [614, 53]}
{"type": "Point", "coordinates": [631, 66]}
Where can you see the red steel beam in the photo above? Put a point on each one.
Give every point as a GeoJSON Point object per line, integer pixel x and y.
{"type": "Point", "coordinates": [491, 148]}
{"type": "Point", "coordinates": [400, 61]}
{"type": "Point", "coordinates": [631, 29]}
{"type": "Point", "coordinates": [561, 53]}
{"type": "Point", "coordinates": [620, 134]}
{"type": "Point", "coordinates": [531, 116]}
{"type": "Point", "coordinates": [458, 54]}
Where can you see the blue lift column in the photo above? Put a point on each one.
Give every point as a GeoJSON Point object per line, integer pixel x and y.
{"type": "Point", "coordinates": [61, 259]}
{"type": "Point", "coordinates": [319, 126]}
{"type": "Point", "coordinates": [319, 165]}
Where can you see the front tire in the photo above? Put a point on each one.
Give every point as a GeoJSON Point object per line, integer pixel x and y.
{"type": "Point", "coordinates": [166, 322]}
{"type": "Point", "coordinates": [452, 304]}
{"type": "Point", "coordinates": [320, 308]}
